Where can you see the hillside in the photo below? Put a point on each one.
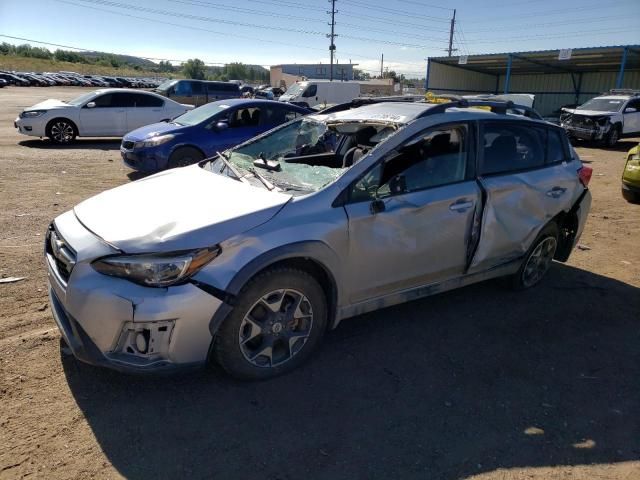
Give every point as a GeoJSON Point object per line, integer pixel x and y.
{"type": "Point", "coordinates": [26, 64]}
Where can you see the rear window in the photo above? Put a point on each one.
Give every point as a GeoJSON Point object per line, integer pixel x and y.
{"type": "Point", "coordinates": [143, 100]}
{"type": "Point", "coordinates": [509, 148]}
{"type": "Point", "coordinates": [556, 151]}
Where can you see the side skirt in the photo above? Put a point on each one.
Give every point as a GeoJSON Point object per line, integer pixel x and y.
{"type": "Point", "coordinates": [426, 290]}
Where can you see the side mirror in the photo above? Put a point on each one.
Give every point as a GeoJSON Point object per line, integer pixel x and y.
{"type": "Point", "coordinates": [630, 110]}
{"type": "Point", "coordinates": [376, 206]}
{"type": "Point", "coordinates": [221, 126]}
{"type": "Point", "coordinates": [91, 105]}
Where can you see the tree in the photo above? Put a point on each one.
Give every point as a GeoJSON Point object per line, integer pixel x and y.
{"type": "Point", "coordinates": [194, 68]}
{"type": "Point", "coordinates": [165, 66]}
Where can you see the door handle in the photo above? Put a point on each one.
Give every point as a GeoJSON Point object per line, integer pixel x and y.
{"type": "Point", "coordinates": [556, 192]}
{"type": "Point", "coordinates": [461, 206]}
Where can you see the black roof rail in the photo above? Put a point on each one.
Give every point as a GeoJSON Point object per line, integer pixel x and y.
{"type": "Point", "coordinates": [361, 101]}
{"type": "Point", "coordinates": [496, 106]}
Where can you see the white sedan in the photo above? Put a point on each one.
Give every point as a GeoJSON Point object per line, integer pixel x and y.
{"type": "Point", "coordinates": [109, 112]}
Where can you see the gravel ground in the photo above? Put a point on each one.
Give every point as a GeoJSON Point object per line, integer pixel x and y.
{"type": "Point", "coordinates": [479, 383]}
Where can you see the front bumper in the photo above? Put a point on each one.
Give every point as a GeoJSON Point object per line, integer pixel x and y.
{"type": "Point", "coordinates": [29, 126]}
{"type": "Point", "coordinates": [595, 133]}
{"type": "Point", "coordinates": [144, 159]}
{"type": "Point", "coordinates": [100, 317]}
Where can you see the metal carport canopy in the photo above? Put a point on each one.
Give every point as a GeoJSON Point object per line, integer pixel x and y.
{"type": "Point", "coordinates": [619, 58]}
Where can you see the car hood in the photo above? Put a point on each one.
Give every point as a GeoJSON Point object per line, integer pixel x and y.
{"type": "Point", "coordinates": [153, 130]}
{"type": "Point", "coordinates": [47, 105]}
{"type": "Point", "coordinates": [178, 209]}
{"type": "Point", "coordinates": [588, 113]}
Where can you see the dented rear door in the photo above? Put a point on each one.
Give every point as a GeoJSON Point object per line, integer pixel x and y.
{"type": "Point", "coordinates": [527, 176]}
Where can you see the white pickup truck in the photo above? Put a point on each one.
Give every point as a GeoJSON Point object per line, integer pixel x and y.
{"type": "Point", "coordinates": [606, 118]}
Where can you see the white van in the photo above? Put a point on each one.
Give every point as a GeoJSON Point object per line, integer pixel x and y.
{"type": "Point", "coordinates": [318, 92]}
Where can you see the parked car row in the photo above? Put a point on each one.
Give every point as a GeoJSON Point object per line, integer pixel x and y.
{"type": "Point", "coordinates": [248, 258]}
{"type": "Point", "coordinates": [50, 79]}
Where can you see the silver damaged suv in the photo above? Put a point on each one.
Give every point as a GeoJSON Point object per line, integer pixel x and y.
{"type": "Point", "coordinates": [247, 258]}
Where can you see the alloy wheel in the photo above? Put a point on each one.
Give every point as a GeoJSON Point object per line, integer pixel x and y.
{"type": "Point", "coordinates": [539, 261]}
{"type": "Point", "coordinates": [62, 132]}
{"type": "Point", "coordinates": [276, 328]}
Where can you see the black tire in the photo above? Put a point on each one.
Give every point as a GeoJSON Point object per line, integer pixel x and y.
{"type": "Point", "coordinates": [534, 267]}
{"type": "Point", "coordinates": [612, 137]}
{"type": "Point", "coordinates": [241, 346]}
{"type": "Point", "coordinates": [61, 131]}
{"type": "Point", "coordinates": [631, 197]}
{"type": "Point", "coordinates": [184, 156]}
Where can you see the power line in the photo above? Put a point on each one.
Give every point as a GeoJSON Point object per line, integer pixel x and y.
{"type": "Point", "coordinates": [224, 34]}
{"type": "Point", "coordinates": [559, 23]}
{"type": "Point", "coordinates": [394, 11]}
{"type": "Point", "coordinates": [543, 13]}
{"type": "Point", "coordinates": [218, 6]}
{"type": "Point", "coordinates": [546, 36]}
{"type": "Point", "coordinates": [427, 5]}
{"type": "Point", "coordinates": [235, 23]}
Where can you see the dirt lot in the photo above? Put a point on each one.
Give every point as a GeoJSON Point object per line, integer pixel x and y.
{"type": "Point", "coordinates": [478, 383]}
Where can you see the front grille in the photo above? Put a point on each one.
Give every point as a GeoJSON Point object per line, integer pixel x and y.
{"type": "Point", "coordinates": [63, 255]}
{"type": "Point", "coordinates": [581, 121]}
{"type": "Point", "coordinates": [127, 145]}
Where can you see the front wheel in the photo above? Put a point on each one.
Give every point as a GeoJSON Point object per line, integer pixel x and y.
{"type": "Point", "coordinates": [279, 319]}
{"type": "Point", "coordinates": [61, 131]}
{"type": "Point", "coordinates": [537, 260]}
{"type": "Point", "coordinates": [185, 156]}
{"type": "Point", "coordinates": [612, 137]}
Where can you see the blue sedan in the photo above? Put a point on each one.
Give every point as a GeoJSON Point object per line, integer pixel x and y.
{"type": "Point", "coordinates": [201, 132]}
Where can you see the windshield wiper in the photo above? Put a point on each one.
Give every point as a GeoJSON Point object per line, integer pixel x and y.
{"type": "Point", "coordinates": [232, 169]}
{"type": "Point", "coordinates": [270, 186]}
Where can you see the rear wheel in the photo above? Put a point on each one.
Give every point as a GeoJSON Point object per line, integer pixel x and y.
{"type": "Point", "coordinates": [537, 260]}
{"type": "Point", "coordinates": [185, 156]}
{"type": "Point", "coordinates": [61, 131]}
{"type": "Point", "coordinates": [279, 319]}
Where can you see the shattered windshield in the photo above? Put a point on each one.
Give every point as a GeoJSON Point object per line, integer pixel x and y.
{"type": "Point", "coordinates": [299, 139]}
{"type": "Point", "coordinates": [602, 105]}
{"type": "Point", "coordinates": [303, 156]}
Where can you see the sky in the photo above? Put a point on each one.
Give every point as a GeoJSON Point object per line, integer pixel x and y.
{"type": "Point", "coordinates": [271, 32]}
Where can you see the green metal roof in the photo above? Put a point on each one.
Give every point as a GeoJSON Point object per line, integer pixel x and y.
{"type": "Point", "coordinates": [592, 59]}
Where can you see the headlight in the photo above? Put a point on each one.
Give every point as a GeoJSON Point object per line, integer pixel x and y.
{"type": "Point", "coordinates": [602, 121]}
{"type": "Point", "coordinates": [32, 113]}
{"type": "Point", "coordinates": [155, 141]}
{"type": "Point", "coordinates": [156, 270]}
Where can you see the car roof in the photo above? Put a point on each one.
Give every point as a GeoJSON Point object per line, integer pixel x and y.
{"type": "Point", "coordinates": [232, 102]}
{"type": "Point", "coordinates": [615, 97]}
{"type": "Point", "coordinates": [405, 112]}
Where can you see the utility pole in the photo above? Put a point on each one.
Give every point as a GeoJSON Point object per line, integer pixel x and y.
{"type": "Point", "coordinates": [332, 35]}
{"type": "Point", "coordinates": [382, 66]}
{"type": "Point", "coordinates": [453, 26]}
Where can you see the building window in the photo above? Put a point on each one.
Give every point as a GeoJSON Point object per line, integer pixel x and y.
{"type": "Point", "coordinates": [321, 70]}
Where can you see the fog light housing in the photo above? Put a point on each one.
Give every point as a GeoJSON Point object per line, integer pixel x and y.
{"type": "Point", "coordinates": [148, 340]}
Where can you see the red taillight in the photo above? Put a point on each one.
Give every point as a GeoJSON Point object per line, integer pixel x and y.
{"type": "Point", "coordinates": [584, 174]}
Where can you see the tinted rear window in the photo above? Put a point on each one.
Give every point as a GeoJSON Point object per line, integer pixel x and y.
{"type": "Point", "coordinates": [509, 148]}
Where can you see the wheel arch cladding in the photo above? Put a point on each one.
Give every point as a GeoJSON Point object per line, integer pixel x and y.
{"type": "Point", "coordinates": [313, 257]}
